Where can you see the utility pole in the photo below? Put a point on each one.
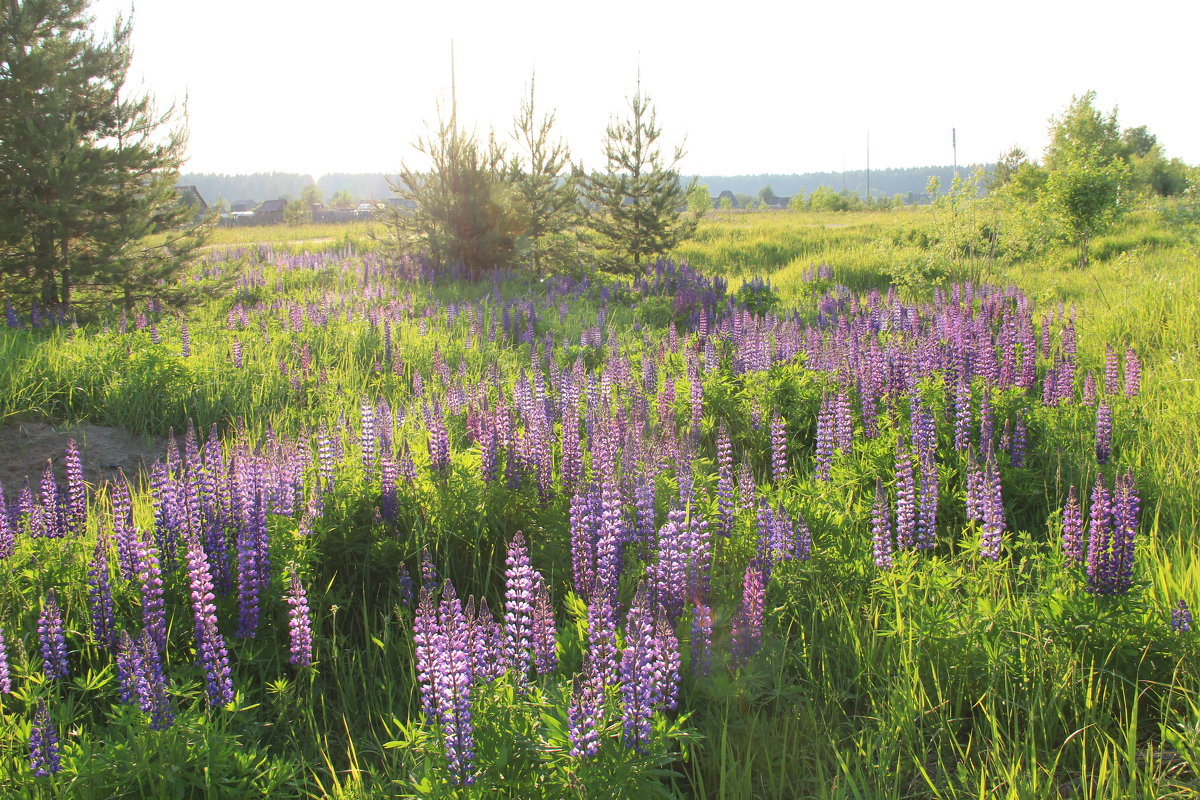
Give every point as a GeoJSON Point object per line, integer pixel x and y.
{"type": "Point", "coordinates": [868, 168]}
{"type": "Point", "coordinates": [954, 146]}
{"type": "Point", "coordinates": [453, 96]}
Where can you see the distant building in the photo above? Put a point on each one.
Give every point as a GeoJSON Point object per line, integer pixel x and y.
{"type": "Point", "coordinates": [190, 195]}
{"type": "Point", "coordinates": [243, 207]}
{"type": "Point", "coordinates": [726, 195]}
{"type": "Point", "coordinates": [271, 212]}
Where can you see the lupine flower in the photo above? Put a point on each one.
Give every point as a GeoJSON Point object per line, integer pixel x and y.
{"type": "Point", "coordinates": [1100, 566]}
{"type": "Point", "coordinates": [43, 743]}
{"type": "Point", "coordinates": [701, 643]}
{"type": "Point", "coordinates": [367, 435]}
{"type": "Point", "coordinates": [210, 645]}
{"type": "Point", "coordinates": [405, 583]}
{"type": "Point", "coordinates": [545, 641]}
{"type": "Point", "coordinates": [100, 599]}
{"type": "Point", "coordinates": [131, 677]}
{"type": "Point", "coordinates": [452, 687]}
{"type": "Point", "coordinates": [778, 449]}
{"type": "Point", "coordinates": [928, 504]}
{"type": "Point", "coordinates": [425, 630]}
{"type": "Point", "coordinates": [53, 640]}
{"type": "Point", "coordinates": [602, 638]}
{"type": "Point", "coordinates": [299, 624]}
{"type": "Point", "coordinates": [1111, 371]}
{"type": "Point", "coordinates": [1072, 533]}
{"type": "Point", "coordinates": [747, 623]}
{"type": "Point", "coordinates": [724, 481]}
{"type": "Point", "coordinates": [1103, 433]}
{"type": "Point", "coordinates": [906, 492]}
{"type": "Point", "coordinates": [1181, 617]}
{"type": "Point", "coordinates": [638, 679]}
{"type": "Point", "coordinates": [993, 511]}
{"type": "Point", "coordinates": [1089, 390]}
{"type": "Point", "coordinates": [583, 523]}
{"type": "Point", "coordinates": [881, 527]}
{"type": "Point", "coordinates": [76, 490]}
{"type": "Point", "coordinates": [5, 677]}
{"type": "Point", "coordinates": [826, 433]}
{"type": "Point", "coordinates": [1133, 373]}
{"type": "Point", "coordinates": [585, 714]}
{"type": "Point", "coordinates": [519, 581]}
{"type": "Point", "coordinates": [149, 574]}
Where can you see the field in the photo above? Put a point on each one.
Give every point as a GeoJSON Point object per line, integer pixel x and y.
{"type": "Point", "coordinates": [759, 524]}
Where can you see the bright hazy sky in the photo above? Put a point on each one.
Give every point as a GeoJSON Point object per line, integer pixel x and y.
{"type": "Point", "coordinates": [756, 87]}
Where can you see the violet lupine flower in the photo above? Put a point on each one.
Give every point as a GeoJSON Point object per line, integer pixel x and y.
{"type": "Point", "coordinates": [210, 645]}
{"type": "Point", "coordinates": [545, 634]}
{"type": "Point", "coordinates": [975, 488]}
{"type": "Point", "coordinates": [299, 623]}
{"type": "Point", "coordinates": [367, 435]}
{"type": "Point", "coordinates": [149, 574]}
{"type": "Point", "coordinates": [843, 423]}
{"type": "Point", "coordinates": [724, 481]}
{"type": "Point", "coordinates": [906, 497]}
{"type": "Point", "coordinates": [123, 529]}
{"type": "Point", "coordinates": [779, 468]}
{"type": "Point", "coordinates": [405, 582]}
{"type": "Point", "coordinates": [1111, 371]}
{"type": "Point", "coordinates": [100, 599]}
{"type": "Point", "coordinates": [1133, 373]}
{"type": "Point", "coordinates": [131, 674]}
{"type": "Point", "coordinates": [746, 488]}
{"type": "Point", "coordinates": [638, 686]}
{"type": "Point", "coordinates": [519, 581]}
{"type": "Point", "coordinates": [237, 354]}
{"type": "Point", "coordinates": [993, 511]}
{"type": "Point", "coordinates": [602, 638]}
{"type": "Point", "coordinates": [325, 458]}
{"type": "Point", "coordinates": [1089, 390]}
{"type": "Point", "coordinates": [8, 527]}
{"type": "Point", "coordinates": [429, 577]}
{"type": "Point", "coordinates": [667, 664]}
{"type": "Point", "coordinates": [1181, 617]}
{"type": "Point", "coordinates": [43, 743]}
{"type": "Point", "coordinates": [668, 576]}
{"type": "Point", "coordinates": [987, 424]}
{"type": "Point", "coordinates": [825, 438]}
{"type": "Point", "coordinates": [1099, 538]}
{"type": "Point", "coordinates": [1020, 439]}
{"type": "Point", "coordinates": [53, 639]}
{"type": "Point", "coordinates": [1126, 506]}
{"type": "Point", "coordinates": [425, 629]}
{"type": "Point", "coordinates": [881, 527]}
{"type": "Point", "coordinates": [1103, 433]}
{"type": "Point", "coordinates": [585, 714]}
{"type": "Point", "coordinates": [54, 523]}
{"type": "Point", "coordinates": [746, 635]}
{"type": "Point", "coordinates": [387, 494]}
{"type": "Point", "coordinates": [77, 505]}
{"type": "Point", "coordinates": [452, 687]}
{"type": "Point", "coordinates": [1072, 529]}
{"type": "Point", "coordinates": [928, 502]}
{"type": "Point", "coordinates": [439, 439]}
{"type": "Point", "coordinates": [185, 337]}
{"type": "Point", "coordinates": [962, 415]}
{"type": "Point", "coordinates": [5, 676]}
{"type": "Point", "coordinates": [701, 642]}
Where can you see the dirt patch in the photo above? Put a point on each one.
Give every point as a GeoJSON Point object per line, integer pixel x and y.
{"type": "Point", "coordinates": [25, 446]}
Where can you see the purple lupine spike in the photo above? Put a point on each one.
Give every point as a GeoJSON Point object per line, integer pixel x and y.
{"type": "Point", "coordinates": [843, 422]}
{"type": "Point", "coordinates": [131, 674]}
{"type": "Point", "coordinates": [906, 496]}
{"type": "Point", "coordinates": [993, 511]}
{"type": "Point", "coordinates": [148, 572]}
{"type": "Point", "coordinates": [779, 465]}
{"type": "Point", "coordinates": [425, 633]}
{"type": "Point", "coordinates": [583, 526]}
{"type": "Point", "coordinates": [644, 502]}
{"type": "Point", "coordinates": [8, 527]}
{"type": "Point", "coordinates": [299, 623]}
{"type": "Point", "coordinates": [881, 527]}
{"type": "Point", "coordinates": [250, 571]}
{"type": "Point", "coordinates": [1103, 433]}
{"type": "Point", "coordinates": [1020, 438]}
{"type": "Point", "coordinates": [1126, 506]}
{"type": "Point", "coordinates": [666, 664]}
{"type": "Point", "coordinates": [429, 576]}
{"type": "Point", "coordinates": [585, 714]}
{"type": "Point", "coordinates": [52, 639]}
{"type": "Point", "coordinates": [519, 581]}
{"type": "Point", "coordinates": [825, 438]}
{"type": "Point", "coordinates": [724, 481]}
{"type": "Point", "coordinates": [452, 687]}
{"type": "Point", "coordinates": [1089, 390]}
{"type": "Point", "coordinates": [210, 645]}
{"type": "Point", "coordinates": [1100, 537]}
{"type": "Point", "coordinates": [77, 504]}
{"type": "Point", "coordinates": [975, 490]}
{"type": "Point", "coordinates": [53, 524]}
{"type": "Point", "coordinates": [367, 435]}
{"type": "Point", "coordinates": [325, 458]}
{"type": "Point", "coordinates": [746, 635]}
{"type": "Point", "coordinates": [5, 676]}
{"type": "Point", "coordinates": [746, 488]}
{"type": "Point", "coordinates": [43, 743]}
{"type": "Point", "coordinates": [100, 599]}
{"type": "Point", "coordinates": [123, 529]}
{"type": "Point", "coordinates": [638, 686]}
{"type": "Point", "coordinates": [545, 634]}
{"type": "Point", "coordinates": [405, 583]}
{"type": "Point", "coordinates": [928, 503]}
{"type": "Point", "coordinates": [602, 638]}
{"type": "Point", "coordinates": [987, 424]}
{"type": "Point", "coordinates": [1133, 373]}
{"type": "Point", "coordinates": [1111, 371]}
{"type": "Point", "coordinates": [1072, 529]}
{"type": "Point", "coordinates": [962, 415]}
{"type": "Point", "coordinates": [1181, 618]}
{"type": "Point", "coordinates": [389, 475]}
{"type": "Point", "coordinates": [701, 643]}
{"type": "Point", "coordinates": [185, 337]}
{"type": "Point", "coordinates": [668, 576]}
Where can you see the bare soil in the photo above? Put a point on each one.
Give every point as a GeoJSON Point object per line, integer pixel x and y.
{"type": "Point", "coordinates": [25, 446]}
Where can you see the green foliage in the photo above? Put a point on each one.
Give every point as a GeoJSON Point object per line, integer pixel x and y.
{"type": "Point", "coordinates": [463, 209]}
{"type": "Point", "coordinates": [86, 172]}
{"type": "Point", "coordinates": [300, 211]}
{"type": "Point", "coordinates": [638, 204]}
{"type": "Point", "coordinates": [825, 199]}
{"type": "Point", "coordinates": [699, 200]}
{"type": "Point", "coordinates": [797, 203]}
{"type": "Point", "coordinates": [545, 192]}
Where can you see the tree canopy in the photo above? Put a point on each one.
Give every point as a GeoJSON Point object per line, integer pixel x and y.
{"type": "Point", "coordinates": [87, 172]}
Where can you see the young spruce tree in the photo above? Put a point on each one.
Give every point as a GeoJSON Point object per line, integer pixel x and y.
{"type": "Point", "coordinates": [86, 172]}
{"type": "Point", "coordinates": [638, 205]}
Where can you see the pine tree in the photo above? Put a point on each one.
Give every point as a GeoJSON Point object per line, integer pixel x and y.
{"type": "Point", "coordinates": [86, 172]}
{"type": "Point", "coordinates": [544, 188]}
{"type": "Point", "coordinates": [638, 205]}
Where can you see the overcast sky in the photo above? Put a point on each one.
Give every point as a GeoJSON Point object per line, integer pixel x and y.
{"type": "Point", "coordinates": [759, 87]}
